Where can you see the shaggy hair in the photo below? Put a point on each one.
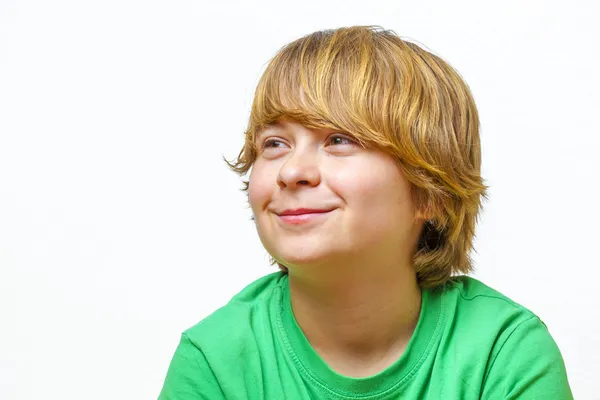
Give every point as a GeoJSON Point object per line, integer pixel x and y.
{"type": "Point", "coordinates": [393, 95]}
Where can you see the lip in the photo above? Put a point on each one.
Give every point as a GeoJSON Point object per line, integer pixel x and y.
{"type": "Point", "coordinates": [301, 211]}
{"type": "Point", "coordinates": [302, 215]}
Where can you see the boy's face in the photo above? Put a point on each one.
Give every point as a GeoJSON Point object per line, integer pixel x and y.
{"type": "Point", "coordinates": [359, 198]}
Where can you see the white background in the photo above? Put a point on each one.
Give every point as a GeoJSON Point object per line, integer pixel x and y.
{"type": "Point", "coordinates": [120, 225]}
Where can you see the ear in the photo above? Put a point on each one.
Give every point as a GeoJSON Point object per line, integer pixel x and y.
{"type": "Point", "coordinates": [424, 214]}
{"type": "Point", "coordinates": [428, 209]}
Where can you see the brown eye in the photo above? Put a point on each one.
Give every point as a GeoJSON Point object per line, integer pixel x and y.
{"type": "Point", "coordinates": [272, 143]}
{"type": "Point", "coordinates": [341, 140]}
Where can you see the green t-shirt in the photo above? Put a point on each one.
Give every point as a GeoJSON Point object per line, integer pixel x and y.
{"type": "Point", "coordinates": [470, 342]}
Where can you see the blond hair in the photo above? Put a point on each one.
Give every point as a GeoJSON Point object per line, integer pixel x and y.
{"type": "Point", "coordinates": [394, 95]}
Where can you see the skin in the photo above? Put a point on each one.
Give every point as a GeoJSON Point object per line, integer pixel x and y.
{"type": "Point", "coordinates": [353, 288]}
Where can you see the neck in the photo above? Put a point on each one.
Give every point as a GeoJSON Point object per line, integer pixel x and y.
{"type": "Point", "coordinates": [366, 315]}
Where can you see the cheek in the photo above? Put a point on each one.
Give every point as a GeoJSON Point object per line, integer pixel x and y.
{"type": "Point", "coordinates": [369, 180]}
{"type": "Point", "coordinates": [259, 189]}
{"type": "Point", "coordinates": [254, 195]}
{"type": "Point", "coordinates": [375, 192]}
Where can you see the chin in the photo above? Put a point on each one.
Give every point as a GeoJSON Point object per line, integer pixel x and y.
{"type": "Point", "coordinates": [300, 259]}
{"type": "Point", "coordinates": [305, 254]}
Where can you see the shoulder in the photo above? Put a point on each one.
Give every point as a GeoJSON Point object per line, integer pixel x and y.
{"type": "Point", "coordinates": [482, 315]}
{"type": "Point", "coordinates": [517, 352]}
{"type": "Point", "coordinates": [223, 345]}
{"type": "Point", "coordinates": [235, 319]}
{"type": "Point", "coordinates": [477, 300]}
{"type": "Point", "coordinates": [471, 288]}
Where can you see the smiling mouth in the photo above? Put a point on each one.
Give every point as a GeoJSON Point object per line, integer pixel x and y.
{"type": "Point", "coordinates": [302, 217]}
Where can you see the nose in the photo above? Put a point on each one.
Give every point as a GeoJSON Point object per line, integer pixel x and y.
{"type": "Point", "coordinates": [299, 169]}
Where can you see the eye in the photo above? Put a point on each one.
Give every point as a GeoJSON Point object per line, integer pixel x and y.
{"type": "Point", "coordinates": [340, 140]}
{"type": "Point", "coordinates": [272, 143]}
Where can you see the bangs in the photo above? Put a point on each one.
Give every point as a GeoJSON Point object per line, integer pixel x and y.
{"type": "Point", "coordinates": [332, 79]}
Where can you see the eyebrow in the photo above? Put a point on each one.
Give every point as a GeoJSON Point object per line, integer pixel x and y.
{"type": "Point", "coordinates": [271, 126]}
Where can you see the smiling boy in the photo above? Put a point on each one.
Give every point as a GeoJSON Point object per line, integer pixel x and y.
{"type": "Point", "coordinates": [364, 158]}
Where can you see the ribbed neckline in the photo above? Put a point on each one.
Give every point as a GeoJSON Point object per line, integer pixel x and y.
{"type": "Point", "coordinates": [315, 369]}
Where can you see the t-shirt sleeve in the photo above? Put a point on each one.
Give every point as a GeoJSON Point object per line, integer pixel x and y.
{"type": "Point", "coordinates": [528, 366]}
{"type": "Point", "coordinates": [189, 376]}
